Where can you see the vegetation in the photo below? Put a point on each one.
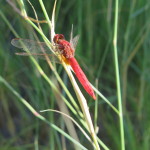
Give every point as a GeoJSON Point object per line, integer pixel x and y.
{"type": "Point", "coordinates": [38, 104]}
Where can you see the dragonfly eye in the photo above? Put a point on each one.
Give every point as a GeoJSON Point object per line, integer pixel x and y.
{"type": "Point", "coordinates": [58, 37]}
{"type": "Point", "coordinates": [61, 36]}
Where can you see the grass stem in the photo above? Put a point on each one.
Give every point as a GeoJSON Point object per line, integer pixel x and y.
{"type": "Point", "coordinates": [118, 77]}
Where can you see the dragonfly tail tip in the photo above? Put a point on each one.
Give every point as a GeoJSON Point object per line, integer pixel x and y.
{"type": "Point", "coordinates": [94, 97]}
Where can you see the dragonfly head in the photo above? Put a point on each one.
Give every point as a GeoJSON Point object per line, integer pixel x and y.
{"type": "Point", "coordinates": [58, 37]}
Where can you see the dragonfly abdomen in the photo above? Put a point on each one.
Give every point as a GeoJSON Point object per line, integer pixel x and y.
{"type": "Point", "coordinates": [81, 77]}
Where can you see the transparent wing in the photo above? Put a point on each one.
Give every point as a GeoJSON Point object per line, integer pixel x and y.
{"type": "Point", "coordinates": [37, 49]}
{"type": "Point", "coordinates": [52, 57]}
{"type": "Point", "coordinates": [74, 42]}
{"type": "Point", "coordinates": [71, 34]}
{"type": "Point", "coordinates": [31, 45]}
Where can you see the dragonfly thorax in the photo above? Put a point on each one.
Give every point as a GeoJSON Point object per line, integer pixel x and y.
{"type": "Point", "coordinates": [63, 46]}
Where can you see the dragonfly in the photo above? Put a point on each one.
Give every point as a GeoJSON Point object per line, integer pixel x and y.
{"type": "Point", "coordinates": [64, 48]}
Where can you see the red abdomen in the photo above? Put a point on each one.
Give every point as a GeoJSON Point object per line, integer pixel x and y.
{"type": "Point", "coordinates": [81, 77]}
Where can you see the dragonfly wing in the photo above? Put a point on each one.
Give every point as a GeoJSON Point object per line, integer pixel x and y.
{"type": "Point", "coordinates": [74, 42]}
{"type": "Point", "coordinates": [30, 45]}
{"type": "Point", "coordinates": [36, 49]}
{"type": "Point", "coordinates": [52, 57]}
{"type": "Point", "coordinates": [71, 34]}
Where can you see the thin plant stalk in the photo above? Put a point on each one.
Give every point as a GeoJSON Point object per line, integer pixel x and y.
{"type": "Point", "coordinates": [105, 99]}
{"type": "Point", "coordinates": [118, 77]}
{"type": "Point", "coordinates": [84, 106]}
{"type": "Point", "coordinates": [73, 120]}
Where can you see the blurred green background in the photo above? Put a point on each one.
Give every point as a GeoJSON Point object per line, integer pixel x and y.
{"type": "Point", "coordinates": [94, 22]}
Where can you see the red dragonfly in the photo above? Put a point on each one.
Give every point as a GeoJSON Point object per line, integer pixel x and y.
{"type": "Point", "coordinates": [64, 48]}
